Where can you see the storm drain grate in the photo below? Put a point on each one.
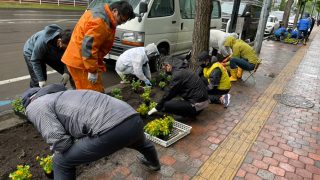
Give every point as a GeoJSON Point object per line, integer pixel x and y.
{"type": "Point", "coordinates": [293, 101]}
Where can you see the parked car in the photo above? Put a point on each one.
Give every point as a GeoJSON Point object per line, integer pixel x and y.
{"type": "Point", "coordinates": [167, 23]}
{"type": "Point", "coordinates": [291, 21]}
{"type": "Point", "coordinates": [249, 10]}
{"type": "Point", "coordinates": [278, 14]}
{"type": "Point", "coordinates": [272, 25]}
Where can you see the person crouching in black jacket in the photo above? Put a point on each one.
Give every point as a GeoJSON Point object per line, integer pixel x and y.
{"type": "Point", "coordinates": [186, 84]}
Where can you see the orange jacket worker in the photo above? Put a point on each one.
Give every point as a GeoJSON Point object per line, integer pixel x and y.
{"type": "Point", "coordinates": [91, 40]}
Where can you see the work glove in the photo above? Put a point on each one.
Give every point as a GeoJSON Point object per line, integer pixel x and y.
{"type": "Point", "coordinates": [65, 78]}
{"type": "Point", "coordinates": [93, 77]}
{"type": "Point", "coordinates": [147, 82]}
{"type": "Point", "coordinates": [153, 110]}
{"type": "Point", "coordinates": [42, 84]}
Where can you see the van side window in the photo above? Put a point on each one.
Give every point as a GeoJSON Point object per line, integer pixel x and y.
{"type": "Point", "coordinates": [188, 9]}
{"type": "Point", "coordinates": [216, 10]}
{"type": "Point", "coordinates": [161, 8]}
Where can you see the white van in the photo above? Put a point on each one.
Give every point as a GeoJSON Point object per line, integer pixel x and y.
{"type": "Point", "coordinates": [167, 23]}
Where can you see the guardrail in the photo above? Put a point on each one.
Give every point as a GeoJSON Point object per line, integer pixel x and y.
{"type": "Point", "coordinates": [59, 2]}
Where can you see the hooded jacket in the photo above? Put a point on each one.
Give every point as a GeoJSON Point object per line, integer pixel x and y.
{"type": "Point", "coordinates": [135, 61]}
{"type": "Point", "coordinates": [217, 39]}
{"type": "Point", "coordinates": [304, 24]}
{"type": "Point", "coordinates": [91, 40]}
{"type": "Point", "coordinates": [40, 48]}
{"type": "Point", "coordinates": [65, 116]}
{"type": "Point", "coordinates": [241, 49]}
{"type": "Point", "coordinates": [184, 83]}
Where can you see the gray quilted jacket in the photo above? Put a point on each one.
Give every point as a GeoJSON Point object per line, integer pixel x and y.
{"type": "Point", "coordinates": [65, 116]}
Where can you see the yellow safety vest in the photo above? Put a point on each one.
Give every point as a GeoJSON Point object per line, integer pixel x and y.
{"type": "Point", "coordinates": [224, 81]}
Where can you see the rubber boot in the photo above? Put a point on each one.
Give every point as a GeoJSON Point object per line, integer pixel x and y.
{"type": "Point", "coordinates": [233, 73]}
{"type": "Point", "coordinates": [239, 73]}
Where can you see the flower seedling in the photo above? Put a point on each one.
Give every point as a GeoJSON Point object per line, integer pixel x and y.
{"type": "Point", "coordinates": [143, 109]}
{"type": "Point", "coordinates": [160, 127]}
{"type": "Point", "coordinates": [46, 163]}
{"type": "Point", "coordinates": [17, 105]}
{"type": "Point", "coordinates": [135, 85]}
{"type": "Point", "coordinates": [152, 105]}
{"type": "Point", "coordinates": [162, 84]}
{"type": "Point", "coordinates": [116, 92]}
{"type": "Point", "coordinates": [22, 173]}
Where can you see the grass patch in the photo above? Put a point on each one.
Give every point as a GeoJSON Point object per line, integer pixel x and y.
{"type": "Point", "coordinates": [15, 5]}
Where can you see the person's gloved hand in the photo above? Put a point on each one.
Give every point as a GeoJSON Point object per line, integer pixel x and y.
{"type": "Point", "coordinates": [147, 82]}
{"type": "Point", "coordinates": [65, 78]}
{"type": "Point", "coordinates": [153, 110]}
{"type": "Point", "coordinates": [42, 84]}
{"type": "Point", "coordinates": [93, 77]}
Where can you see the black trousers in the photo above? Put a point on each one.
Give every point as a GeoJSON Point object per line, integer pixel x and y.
{"type": "Point", "coordinates": [215, 95]}
{"type": "Point", "coordinates": [180, 107]}
{"type": "Point", "coordinates": [88, 149]}
{"type": "Point", "coordinates": [56, 65]}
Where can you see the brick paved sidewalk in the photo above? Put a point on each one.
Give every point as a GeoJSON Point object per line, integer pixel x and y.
{"type": "Point", "coordinates": [223, 140]}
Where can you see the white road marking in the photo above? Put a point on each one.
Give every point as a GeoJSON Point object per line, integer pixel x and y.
{"type": "Point", "coordinates": [6, 20]}
{"type": "Point", "coordinates": [51, 15]}
{"type": "Point", "coordinates": [21, 78]}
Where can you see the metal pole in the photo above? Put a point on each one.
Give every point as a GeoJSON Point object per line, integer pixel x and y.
{"type": "Point", "coordinates": [40, 2]}
{"type": "Point", "coordinates": [58, 2]}
{"type": "Point", "coordinates": [262, 25]}
{"type": "Point", "coordinates": [234, 16]}
{"type": "Point", "coordinates": [74, 3]}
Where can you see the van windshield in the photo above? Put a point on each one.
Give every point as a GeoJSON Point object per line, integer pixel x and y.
{"type": "Point", "coordinates": [134, 4]}
{"type": "Point", "coordinates": [226, 8]}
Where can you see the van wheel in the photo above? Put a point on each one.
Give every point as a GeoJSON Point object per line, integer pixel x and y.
{"type": "Point", "coordinates": [156, 65]}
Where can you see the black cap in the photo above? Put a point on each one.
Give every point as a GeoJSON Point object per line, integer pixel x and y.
{"type": "Point", "coordinates": [204, 55]}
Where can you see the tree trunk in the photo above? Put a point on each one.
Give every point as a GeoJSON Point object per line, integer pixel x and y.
{"type": "Point", "coordinates": [286, 13]}
{"type": "Point", "coordinates": [297, 16]}
{"type": "Point", "coordinates": [201, 31]}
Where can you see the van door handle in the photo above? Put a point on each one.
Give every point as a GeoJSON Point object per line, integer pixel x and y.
{"type": "Point", "coordinates": [173, 22]}
{"type": "Point", "coordinates": [181, 26]}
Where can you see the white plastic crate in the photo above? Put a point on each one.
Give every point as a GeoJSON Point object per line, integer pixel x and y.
{"type": "Point", "coordinates": [179, 131]}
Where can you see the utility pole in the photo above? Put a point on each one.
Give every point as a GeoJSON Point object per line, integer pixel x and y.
{"type": "Point", "coordinates": [234, 16]}
{"type": "Point", "coordinates": [262, 25]}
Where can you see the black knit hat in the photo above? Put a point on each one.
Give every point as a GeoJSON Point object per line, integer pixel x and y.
{"type": "Point", "coordinates": [204, 55]}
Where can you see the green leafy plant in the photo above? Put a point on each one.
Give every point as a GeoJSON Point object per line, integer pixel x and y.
{"type": "Point", "coordinates": [162, 84]}
{"type": "Point", "coordinates": [136, 85]}
{"type": "Point", "coordinates": [153, 81]}
{"type": "Point", "coordinates": [17, 105]}
{"type": "Point", "coordinates": [162, 76]}
{"type": "Point", "coordinates": [146, 97]}
{"type": "Point", "coordinates": [152, 105]}
{"type": "Point", "coordinates": [168, 79]}
{"type": "Point", "coordinates": [116, 92]}
{"type": "Point", "coordinates": [160, 127]}
{"type": "Point", "coordinates": [143, 109]}
{"type": "Point", "coordinates": [22, 173]}
{"type": "Point", "coordinates": [46, 163]}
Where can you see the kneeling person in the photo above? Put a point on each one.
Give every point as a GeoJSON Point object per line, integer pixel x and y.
{"type": "Point", "coordinates": [186, 84]}
{"type": "Point", "coordinates": [82, 126]}
{"type": "Point", "coordinates": [217, 79]}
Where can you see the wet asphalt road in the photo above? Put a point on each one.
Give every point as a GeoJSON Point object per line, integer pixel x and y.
{"type": "Point", "coordinates": [16, 26]}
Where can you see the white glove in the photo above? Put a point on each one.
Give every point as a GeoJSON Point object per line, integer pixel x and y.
{"type": "Point", "coordinates": [65, 78]}
{"type": "Point", "coordinates": [93, 77]}
{"type": "Point", "coordinates": [153, 110]}
{"type": "Point", "coordinates": [42, 84]}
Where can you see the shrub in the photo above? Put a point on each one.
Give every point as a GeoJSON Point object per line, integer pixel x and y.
{"type": "Point", "coordinates": [116, 92]}
{"type": "Point", "coordinates": [162, 84]}
{"type": "Point", "coordinates": [160, 127]}
{"type": "Point", "coordinates": [136, 85]}
{"type": "Point", "coordinates": [22, 173]}
{"type": "Point", "coordinates": [143, 109]}
{"type": "Point", "coordinates": [17, 105]}
{"type": "Point", "coordinates": [46, 163]}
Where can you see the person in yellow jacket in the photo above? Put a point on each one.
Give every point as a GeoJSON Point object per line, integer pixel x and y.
{"type": "Point", "coordinates": [216, 78]}
{"type": "Point", "coordinates": [243, 56]}
{"type": "Point", "coordinates": [91, 40]}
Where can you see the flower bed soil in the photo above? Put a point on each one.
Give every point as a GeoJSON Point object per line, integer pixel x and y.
{"type": "Point", "coordinates": [22, 144]}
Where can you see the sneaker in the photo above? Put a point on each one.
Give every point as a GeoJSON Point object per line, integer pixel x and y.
{"type": "Point", "coordinates": [148, 164]}
{"type": "Point", "coordinates": [226, 100]}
